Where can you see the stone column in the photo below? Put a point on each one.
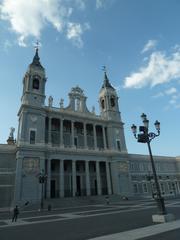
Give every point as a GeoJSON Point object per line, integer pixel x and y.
{"type": "Point", "coordinates": [61, 133]}
{"type": "Point", "coordinates": [88, 191]}
{"type": "Point", "coordinates": [98, 177]}
{"type": "Point", "coordinates": [85, 135]}
{"type": "Point", "coordinates": [49, 132]}
{"type": "Point", "coordinates": [95, 138]}
{"type": "Point", "coordinates": [61, 179]}
{"type": "Point", "coordinates": [74, 184]}
{"type": "Point", "coordinates": [72, 133]}
{"type": "Point", "coordinates": [48, 178]}
{"type": "Point", "coordinates": [104, 138]}
{"type": "Point", "coordinates": [108, 178]}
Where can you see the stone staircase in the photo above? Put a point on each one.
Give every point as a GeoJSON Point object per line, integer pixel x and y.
{"type": "Point", "coordinates": [73, 202]}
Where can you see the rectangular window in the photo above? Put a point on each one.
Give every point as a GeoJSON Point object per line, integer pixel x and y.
{"type": "Point", "coordinates": [32, 136]}
{"type": "Point", "coordinates": [145, 188]}
{"type": "Point", "coordinates": [135, 188]}
{"type": "Point", "coordinates": [75, 141]}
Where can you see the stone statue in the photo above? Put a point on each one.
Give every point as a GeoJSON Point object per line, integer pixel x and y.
{"type": "Point", "coordinates": [11, 135]}
{"type": "Point", "coordinates": [61, 103]}
{"type": "Point", "coordinates": [50, 101]}
{"type": "Point", "coordinates": [78, 105]}
{"type": "Point", "coordinates": [93, 109]}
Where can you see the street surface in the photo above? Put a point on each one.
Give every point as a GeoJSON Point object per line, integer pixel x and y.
{"type": "Point", "coordinates": [92, 221]}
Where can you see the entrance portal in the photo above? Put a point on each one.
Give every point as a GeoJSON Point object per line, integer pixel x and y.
{"type": "Point", "coordinates": [53, 188]}
{"type": "Point", "coordinates": [78, 181]}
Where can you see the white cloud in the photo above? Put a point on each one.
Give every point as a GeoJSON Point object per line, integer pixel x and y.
{"type": "Point", "coordinates": [29, 18]}
{"type": "Point", "coordinates": [171, 91]}
{"type": "Point", "coordinates": [151, 44]}
{"type": "Point", "coordinates": [75, 31]}
{"type": "Point", "coordinates": [160, 68]}
{"type": "Point", "coordinates": [174, 101]}
{"type": "Point", "coordinates": [158, 95]}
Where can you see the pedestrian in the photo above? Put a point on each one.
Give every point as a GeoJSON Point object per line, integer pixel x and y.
{"type": "Point", "coordinates": [107, 200]}
{"type": "Point", "coordinates": [15, 214]}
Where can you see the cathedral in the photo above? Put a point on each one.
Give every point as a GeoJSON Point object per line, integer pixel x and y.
{"type": "Point", "coordinates": [70, 151]}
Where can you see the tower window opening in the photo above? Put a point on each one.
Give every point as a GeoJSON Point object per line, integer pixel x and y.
{"type": "Point", "coordinates": [112, 101]}
{"type": "Point", "coordinates": [32, 136]}
{"type": "Point", "coordinates": [118, 145]}
{"type": "Point", "coordinates": [102, 104]}
{"type": "Point", "coordinates": [36, 83]}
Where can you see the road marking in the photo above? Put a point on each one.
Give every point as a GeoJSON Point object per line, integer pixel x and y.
{"type": "Point", "coordinates": [141, 232]}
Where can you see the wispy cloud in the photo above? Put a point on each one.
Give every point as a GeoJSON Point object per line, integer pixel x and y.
{"type": "Point", "coordinates": [171, 91]}
{"type": "Point", "coordinates": [158, 95]}
{"type": "Point", "coordinates": [100, 3]}
{"type": "Point", "coordinates": [174, 101]}
{"type": "Point", "coordinates": [74, 32]}
{"type": "Point", "coordinates": [151, 44]}
{"type": "Point", "coordinates": [7, 45]}
{"type": "Point", "coordinates": [29, 18]}
{"type": "Point", "coordinates": [160, 68]}
{"type": "Point", "coordinates": [81, 4]}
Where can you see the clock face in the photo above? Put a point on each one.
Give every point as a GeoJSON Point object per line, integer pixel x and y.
{"type": "Point", "coordinates": [33, 118]}
{"type": "Point", "coordinates": [117, 131]}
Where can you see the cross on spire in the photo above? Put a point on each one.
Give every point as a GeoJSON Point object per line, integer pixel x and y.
{"type": "Point", "coordinates": [36, 59]}
{"type": "Point", "coordinates": [104, 68]}
{"type": "Point", "coordinates": [37, 45]}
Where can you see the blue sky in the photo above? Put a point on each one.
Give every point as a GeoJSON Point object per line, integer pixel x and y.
{"type": "Point", "coordinates": [137, 40]}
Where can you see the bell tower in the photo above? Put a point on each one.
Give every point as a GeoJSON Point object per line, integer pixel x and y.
{"type": "Point", "coordinates": [32, 113]}
{"type": "Point", "coordinates": [34, 83]}
{"type": "Point", "coordinates": [109, 111]}
{"type": "Point", "coordinates": [108, 101]}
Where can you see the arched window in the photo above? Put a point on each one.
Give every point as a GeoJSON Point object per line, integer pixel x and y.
{"type": "Point", "coordinates": [36, 83]}
{"type": "Point", "coordinates": [102, 104]}
{"type": "Point", "coordinates": [112, 101]}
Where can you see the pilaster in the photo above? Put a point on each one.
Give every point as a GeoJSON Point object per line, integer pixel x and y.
{"type": "Point", "coordinates": [98, 177]}
{"type": "Point", "coordinates": [61, 170]}
{"type": "Point", "coordinates": [74, 184]}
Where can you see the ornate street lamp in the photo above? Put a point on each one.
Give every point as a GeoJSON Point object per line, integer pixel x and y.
{"type": "Point", "coordinates": [42, 180]}
{"type": "Point", "coordinates": [146, 137]}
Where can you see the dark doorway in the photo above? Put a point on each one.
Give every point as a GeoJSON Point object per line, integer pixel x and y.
{"type": "Point", "coordinates": [75, 142]}
{"type": "Point", "coordinates": [78, 181]}
{"type": "Point", "coordinates": [95, 186]}
{"type": "Point", "coordinates": [53, 188]}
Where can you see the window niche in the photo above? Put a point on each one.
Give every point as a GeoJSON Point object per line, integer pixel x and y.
{"type": "Point", "coordinates": [32, 137]}
{"type": "Point", "coordinates": [112, 100]}
{"type": "Point", "coordinates": [35, 83]}
{"type": "Point", "coordinates": [102, 103]}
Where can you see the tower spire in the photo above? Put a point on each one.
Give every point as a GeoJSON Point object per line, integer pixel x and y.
{"type": "Point", "coordinates": [36, 59]}
{"type": "Point", "coordinates": [106, 83]}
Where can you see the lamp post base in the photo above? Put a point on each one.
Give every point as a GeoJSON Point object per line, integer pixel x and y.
{"type": "Point", "coordinates": [162, 218]}
{"type": "Point", "coordinates": [160, 205]}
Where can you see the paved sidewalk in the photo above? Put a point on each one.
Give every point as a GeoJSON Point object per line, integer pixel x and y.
{"type": "Point", "coordinates": [154, 232]}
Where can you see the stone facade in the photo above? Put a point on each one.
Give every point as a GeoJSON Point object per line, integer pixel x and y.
{"type": "Point", "coordinates": [78, 152]}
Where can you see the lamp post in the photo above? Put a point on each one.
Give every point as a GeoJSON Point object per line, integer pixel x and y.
{"type": "Point", "coordinates": [145, 136]}
{"type": "Point", "coordinates": [42, 180]}
{"type": "Point", "coordinates": [149, 177]}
